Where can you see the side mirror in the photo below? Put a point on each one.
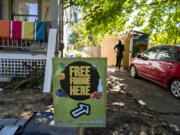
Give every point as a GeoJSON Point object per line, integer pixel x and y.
{"type": "Point", "coordinates": [139, 56]}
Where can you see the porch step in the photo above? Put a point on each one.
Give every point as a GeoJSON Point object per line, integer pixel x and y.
{"type": "Point", "coordinates": [5, 122]}
{"type": "Point", "coordinates": [21, 122]}
{"type": "Point", "coordinates": [10, 126]}
{"type": "Point", "coordinates": [9, 130]}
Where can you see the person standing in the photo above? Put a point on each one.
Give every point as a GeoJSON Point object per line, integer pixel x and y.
{"type": "Point", "coordinates": [119, 48]}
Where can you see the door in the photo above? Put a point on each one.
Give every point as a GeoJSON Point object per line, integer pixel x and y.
{"type": "Point", "coordinates": [164, 66]}
{"type": "Point", "coordinates": [144, 64]}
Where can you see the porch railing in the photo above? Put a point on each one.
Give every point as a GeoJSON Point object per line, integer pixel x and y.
{"type": "Point", "coordinates": [26, 45]}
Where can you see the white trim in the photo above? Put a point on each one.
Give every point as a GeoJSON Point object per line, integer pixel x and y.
{"type": "Point", "coordinates": [50, 55]}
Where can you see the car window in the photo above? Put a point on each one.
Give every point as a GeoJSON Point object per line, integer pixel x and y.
{"type": "Point", "coordinates": [167, 54]}
{"type": "Point", "coordinates": [178, 56]}
{"type": "Point", "coordinates": [150, 54]}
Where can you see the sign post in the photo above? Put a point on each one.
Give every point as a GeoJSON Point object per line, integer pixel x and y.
{"type": "Point", "coordinates": [80, 131]}
{"type": "Point", "coordinates": [79, 92]}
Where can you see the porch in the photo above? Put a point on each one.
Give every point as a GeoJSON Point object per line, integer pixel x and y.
{"type": "Point", "coordinates": [24, 44]}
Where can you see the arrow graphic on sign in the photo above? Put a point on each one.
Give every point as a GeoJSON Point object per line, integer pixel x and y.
{"type": "Point", "coordinates": [82, 109]}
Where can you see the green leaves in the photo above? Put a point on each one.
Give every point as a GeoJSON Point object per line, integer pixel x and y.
{"type": "Point", "coordinates": [160, 18]}
{"type": "Point", "coordinates": [80, 37]}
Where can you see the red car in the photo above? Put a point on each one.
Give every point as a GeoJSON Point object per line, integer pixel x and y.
{"type": "Point", "coordinates": [160, 64]}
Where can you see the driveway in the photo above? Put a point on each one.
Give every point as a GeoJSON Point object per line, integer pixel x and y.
{"type": "Point", "coordinates": [154, 96]}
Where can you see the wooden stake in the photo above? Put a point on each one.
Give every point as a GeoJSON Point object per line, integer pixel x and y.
{"type": "Point", "coordinates": [79, 130]}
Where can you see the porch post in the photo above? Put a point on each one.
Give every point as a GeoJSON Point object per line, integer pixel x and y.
{"type": "Point", "coordinates": [55, 14]}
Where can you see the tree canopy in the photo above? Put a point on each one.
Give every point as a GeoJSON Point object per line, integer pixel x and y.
{"type": "Point", "coordinates": [159, 18]}
{"type": "Point", "coordinates": [80, 37]}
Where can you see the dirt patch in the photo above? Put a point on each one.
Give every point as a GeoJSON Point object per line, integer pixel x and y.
{"type": "Point", "coordinates": [23, 103]}
{"type": "Point", "coordinates": [128, 116]}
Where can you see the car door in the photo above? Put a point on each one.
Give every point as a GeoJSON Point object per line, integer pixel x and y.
{"type": "Point", "coordinates": [144, 63]}
{"type": "Point", "coordinates": [164, 66]}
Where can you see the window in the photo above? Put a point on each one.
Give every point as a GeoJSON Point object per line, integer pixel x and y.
{"type": "Point", "coordinates": [178, 56]}
{"type": "Point", "coordinates": [150, 54]}
{"type": "Point", "coordinates": [25, 10]}
{"type": "Point", "coordinates": [167, 54]}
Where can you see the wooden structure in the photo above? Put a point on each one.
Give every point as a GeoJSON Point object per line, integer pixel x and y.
{"type": "Point", "coordinates": [134, 42]}
{"type": "Point", "coordinates": [91, 51]}
{"type": "Point", "coordinates": [107, 50]}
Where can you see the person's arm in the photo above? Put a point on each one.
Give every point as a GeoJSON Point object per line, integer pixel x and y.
{"type": "Point", "coordinates": [115, 47]}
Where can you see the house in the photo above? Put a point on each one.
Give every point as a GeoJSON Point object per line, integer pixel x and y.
{"type": "Point", "coordinates": [24, 35]}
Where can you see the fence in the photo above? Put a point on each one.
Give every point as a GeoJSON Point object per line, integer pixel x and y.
{"type": "Point", "coordinates": [91, 51]}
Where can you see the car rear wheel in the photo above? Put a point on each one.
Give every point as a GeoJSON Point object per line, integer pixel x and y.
{"type": "Point", "coordinates": [133, 71]}
{"type": "Point", "coordinates": [175, 88]}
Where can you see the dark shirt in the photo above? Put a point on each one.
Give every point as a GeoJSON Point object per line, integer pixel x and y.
{"type": "Point", "coordinates": [120, 49]}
